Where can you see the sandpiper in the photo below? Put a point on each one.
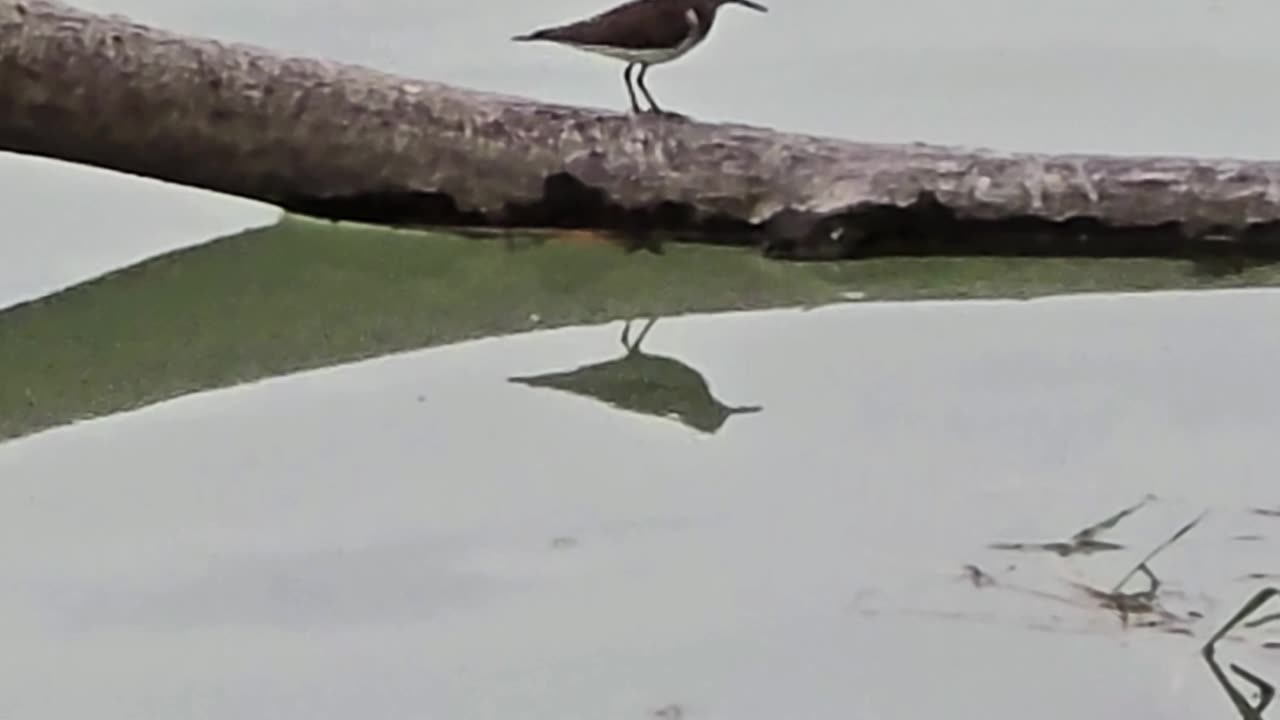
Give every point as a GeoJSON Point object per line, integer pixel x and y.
{"type": "Point", "coordinates": [642, 33]}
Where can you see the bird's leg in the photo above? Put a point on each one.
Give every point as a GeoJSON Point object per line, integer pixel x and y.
{"type": "Point", "coordinates": [648, 96]}
{"type": "Point", "coordinates": [653, 106]}
{"type": "Point", "coordinates": [626, 333]}
{"type": "Point", "coordinates": [644, 331]}
{"type": "Point", "coordinates": [626, 78]}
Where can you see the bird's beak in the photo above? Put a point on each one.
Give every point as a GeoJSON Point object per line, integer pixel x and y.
{"type": "Point", "coordinates": [750, 4]}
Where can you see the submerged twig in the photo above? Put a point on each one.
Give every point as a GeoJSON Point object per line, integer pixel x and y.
{"type": "Point", "coordinates": [1266, 690]}
{"type": "Point", "coordinates": [672, 711]}
{"type": "Point", "coordinates": [1147, 602]}
{"type": "Point", "coordinates": [1258, 600]}
{"type": "Point", "coordinates": [627, 344]}
{"type": "Point", "coordinates": [1159, 549]}
{"type": "Point", "coordinates": [1263, 620]}
{"type": "Point", "coordinates": [978, 576]}
{"type": "Point", "coordinates": [1084, 541]}
{"type": "Point", "coordinates": [1142, 601]}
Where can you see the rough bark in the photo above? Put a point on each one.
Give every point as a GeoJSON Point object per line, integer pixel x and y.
{"type": "Point", "coordinates": [345, 141]}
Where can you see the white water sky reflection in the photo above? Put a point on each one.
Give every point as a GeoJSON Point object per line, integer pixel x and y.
{"type": "Point", "coordinates": [327, 546]}
{"type": "Point", "coordinates": [64, 223]}
{"type": "Point", "coordinates": [376, 539]}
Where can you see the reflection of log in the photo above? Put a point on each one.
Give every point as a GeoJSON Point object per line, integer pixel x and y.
{"type": "Point", "coordinates": [644, 383]}
{"type": "Point", "coordinates": [343, 141]}
{"type": "Point", "coordinates": [1084, 541]}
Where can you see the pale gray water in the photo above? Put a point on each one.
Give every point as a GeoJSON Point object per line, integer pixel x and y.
{"type": "Point", "coordinates": [64, 223]}
{"type": "Point", "coordinates": [329, 546]}
{"type": "Point", "coordinates": [375, 540]}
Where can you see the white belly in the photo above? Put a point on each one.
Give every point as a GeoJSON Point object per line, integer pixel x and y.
{"type": "Point", "coordinates": [653, 56]}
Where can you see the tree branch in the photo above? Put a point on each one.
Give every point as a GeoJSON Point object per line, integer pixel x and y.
{"type": "Point", "coordinates": [344, 141]}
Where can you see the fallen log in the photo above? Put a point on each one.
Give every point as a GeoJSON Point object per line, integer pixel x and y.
{"type": "Point", "coordinates": [347, 142]}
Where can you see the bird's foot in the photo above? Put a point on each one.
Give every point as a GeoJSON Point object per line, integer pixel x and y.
{"type": "Point", "coordinates": [659, 112]}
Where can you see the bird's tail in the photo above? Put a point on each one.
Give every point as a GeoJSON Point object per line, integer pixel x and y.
{"type": "Point", "coordinates": [535, 35]}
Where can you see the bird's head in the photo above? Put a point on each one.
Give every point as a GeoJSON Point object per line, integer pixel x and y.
{"type": "Point", "coordinates": [745, 3]}
{"type": "Point", "coordinates": [710, 7]}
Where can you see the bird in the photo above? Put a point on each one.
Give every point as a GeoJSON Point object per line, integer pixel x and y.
{"type": "Point", "coordinates": [642, 33]}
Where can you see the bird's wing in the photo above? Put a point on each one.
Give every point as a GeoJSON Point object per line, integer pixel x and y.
{"type": "Point", "coordinates": [635, 25]}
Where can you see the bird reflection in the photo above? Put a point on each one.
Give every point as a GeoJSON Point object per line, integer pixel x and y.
{"type": "Point", "coordinates": [644, 383]}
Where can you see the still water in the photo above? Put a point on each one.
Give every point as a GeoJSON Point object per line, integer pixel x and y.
{"type": "Point", "coordinates": [419, 536]}
{"type": "Point", "coordinates": [416, 536]}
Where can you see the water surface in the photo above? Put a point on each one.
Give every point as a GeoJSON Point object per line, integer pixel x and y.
{"type": "Point", "coordinates": [64, 223]}
{"type": "Point", "coordinates": [419, 535]}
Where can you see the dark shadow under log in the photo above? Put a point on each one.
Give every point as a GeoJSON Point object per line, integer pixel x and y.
{"type": "Point", "coordinates": [346, 142]}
